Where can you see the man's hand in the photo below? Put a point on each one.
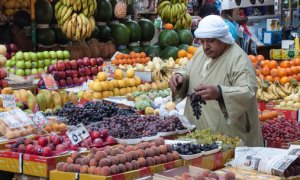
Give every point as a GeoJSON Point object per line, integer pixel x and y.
{"type": "Point", "coordinates": [207, 92]}
{"type": "Point", "coordinates": [175, 81]}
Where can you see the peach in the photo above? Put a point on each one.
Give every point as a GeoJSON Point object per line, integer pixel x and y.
{"type": "Point", "coordinates": [114, 169]}
{"type": "Point", "coordinates": [150, 161]}
{"type": "Point", "coordinates": [122, 168]}
{"type": "Point", "coordinates": [97, 171]}
{"type": "Point", "coordinates": [135, 164]}
{"type": "Point", "coordinates": [141, 153]}
{"type": "Point", "coordinates": [75, 155]}
{"type": "Point", "coordinates": [163, 149]}
{"type": "Point", "coordinates": [84, 169]}
{"type": "Point", "coordinates": [149, 152]}
{"type": "Point", "coordinates": [104, 162]}
{"type": "Point", "coordinates": [169, 157]}
{"type": "Point", "coordinates": [157, 159]}
{"type": "Point", "coordinates": [159, 141]}
{"type": "Point", "coordinates": [128, 166]}
{"type": "Point", "coordinates": [134, 155]}
{"type": "Point", "coordinates": [105, 171]}
{"type": "Point", "coordinates": [100, 154]}
{"type": "Point", "coordinates": [142, 162]}
{"type": "Point", "coordinates": [65, 167]}
{"type": "Point", "coordinates": [128, 157]}
{"type": "Point", "coordinates": [91, 169]}
{"type": "Point", "coordinates": [163, 158]}
{"type": "Point", "coordinates": [78, 161]}
{"type": "Point", "coordinates": [129, 148]}
{"type": "Point", "coordinates": [59, 166]}
{"type": "Point", "coordinates": [85, 161]}
{"type": "Point", "coordinates": [70, 160]}
{"type": "Point", "coordinates": [77, 168]}
{"type": "Point", "coordinates": [93, 162]}
{"type": "Point", "coordinates": [115, 151]}
{"type": "Point", "coordinates": [175, 155]}
{"type": "Point", "coordinates": [156, 151]}
{"type": "Point", "coordinates": [169, 148]}
{"type": "Point", "coordinates": [121, 158]}
{"type": "Point", "coordinates": [113, 160]}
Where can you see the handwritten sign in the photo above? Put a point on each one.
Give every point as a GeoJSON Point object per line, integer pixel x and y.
{"type": "Point", "coordinates": [77, 134]}
{"type": "Point", "coordinates": [8, 100]}
{"type": "Point", "coordinates": [110, 71]}
{"type": "Point", "coordinates": [49, 82]}
{"type": "Point", "coordinates": [39, 120]}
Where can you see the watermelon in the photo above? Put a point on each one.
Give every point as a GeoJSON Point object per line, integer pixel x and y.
{"type": "Point", "coordinates": [125, 51]}
{"type": "Point", "coordinates": [168, 38]}
{"type": "Point", "coordinates": [60, 37]}
{"type": "Point", "coordinates": [95, 33]}
{"type": "Point", "coordinates": [134, 31]}
{"type": "Point", "coordinates": [104, 11]}
{"type": "Point", "coordinates": [154, 51]}
{"type": "Point", "coordinates": [145, 47]}
{"type": "Point", "coordinates": [104, 33]}
{"type": "Point", "coordinates": [170, 51]}
{"type": "Point", "coordinates": [21, 18]}
{"type": "Point", "coordinates": [185, 36]}
{"type": "Point", "coordinates": [148, 30]}
{"type": "Point", "coordinates": [183, 46]}
{"type": "Point", "coordinates": [45, 37]}
{"type": "Point", "coordinates": [43, 12]}
{"type": "Point", "coordinates": [137, 49]}
{"type": "Point", "coordinates": [120, 34]}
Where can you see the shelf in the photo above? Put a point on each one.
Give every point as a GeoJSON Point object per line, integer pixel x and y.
{"type": "Point", "coordinates": [254, 19]}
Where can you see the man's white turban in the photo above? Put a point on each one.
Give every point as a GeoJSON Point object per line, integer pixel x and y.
{"type": "Point", "coordinates": [214, 26]}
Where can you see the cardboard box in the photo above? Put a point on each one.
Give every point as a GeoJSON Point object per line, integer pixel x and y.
{"type": "Point", "coordinates": [11, 161]}
{"type": "Point", "coordinates": [58, 175]}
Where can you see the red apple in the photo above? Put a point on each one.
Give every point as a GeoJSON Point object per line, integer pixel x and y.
{"type": "Point", "coordinates": [73, 64]}
{"type": "Point", "coordinates": [82, 80]}
{"type": "Point", "coordinates": [28, 141]}
{"type": "Point", "coordinates": [51, 68]}
{"type": "Point", "coordinates": [88, 78]}
{"type": "Point", "coordinates": [69, 81]}
{"type": "Point", "coordinates": [69, 73]}
{"type": "Point", "coordinates": [94, 70]}
{"type": "Point", "coordinates": [51, 146]}
{"type": "Point", "coordinates": [74, 73]}
{"type": "Point", "coordinates": [22, 148]}
{"type": "Point", "coordinates": [62, 83]}
{"type": "Point", "coordinates": [61, 147]}
{"type": "Point", "coordinates": [98, 142]}
{"type": "Point", "coordinates": [99, 68]}
{"type": "Point", "coordinates": [81, 72]}
{"type": "Point", "coordinates": [87, 71]}
{"type": "Point", "coordinates": [61, 65]}
{"type": "Point", "coordinates": [80, 63]}
{"type": "Point", "coordinates": [29, 149]}
{"type": "Point", "coordinates": [37, 149]}
{"type": "Point", "coordinates": [4, 83]}
{"type": "Point", "coordinates": [46, 151]}
{"type": "Point", "coordinates": [52, 136]}
{"type": "Point", "coordinates": [103, 133]}
{"type": "Point", "coordinates": [67, 64]}
{"type": "Point", "coordinates": [74, 147]}
{"type": "Point", "coordinates": [55, 75]}
{"type": "Point", "coordinates": [57, 140]}
{"type": "Point", "coordinates": [3, 73]}
{"type": "Point", "coordinates": [43, 141]}
{"type": "Point", "coordinates": [95, 134]}
{"type": "Point", "coordinates": [62, 74]}
{"type": "Point", "coordinates": [86, 61]}
{"type": "Point", "coordinates": [76, 81]}
{"type": "Point", "coordinates": [99, 61]}
{"type": "Point", "coordinates": [93, 61]}
{"type": "Point", "coordinates": [110, 140]}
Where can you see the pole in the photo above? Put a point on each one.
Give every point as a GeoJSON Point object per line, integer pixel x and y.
{"type": "Point", "coordinates": [33, 28]}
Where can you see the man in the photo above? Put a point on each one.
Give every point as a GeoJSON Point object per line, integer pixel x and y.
{"type": "Point", "coordinates": [221, 74]}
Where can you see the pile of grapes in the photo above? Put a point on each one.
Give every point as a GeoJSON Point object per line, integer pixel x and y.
{"type": "Point", "coordinates": [196, 102]}
{"type": "Point", "coordinates": [190, 148]}
{"type": "Point", "coordinates": [92, 112]}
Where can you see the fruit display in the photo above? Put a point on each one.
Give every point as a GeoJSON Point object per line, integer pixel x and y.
{"type": "Point", "coordinates": [131, 58]}
{"type": "Point", "coordinates": [76, 18]}
{"type": "Point", "coordinates": [267, 115]}
{"type": "Point", "coordinates": [11, 50]}
{"type": "Point", "coordinates": [30, 63]}
{"type": "Point", "coordinates": [3, 72]}
{"type": "Point", "coordinates": [75, 72]}
{"type": "Point", "coordinates": [280, 130]}
{"type": "Point", "coordinates": [191, 149]}
{"type": "Point", "coordinates": [6, 90]}
{"type": "Point", "coordinates": [175, 12]}
{"type": "Point", "coordinates": [91, 112]}
{"type": "Point", "coordinates": [119, 159]}
{"type": "Point", "coordinates": [9, 7]}
{"type": "Point", "coordinates": [292, 101]}
{"type": "Point", "coordinates": [196, 103]}
{"type": "Point", "coordinates": [184, 54]}
{"type": "Point", "coordinates": [55, 126]}
{"type": "Point", "coordinates": [98, 138]}
{"type": "Point", "coordinates": [165, 107]}
{"type": "Point", "coordinates": [205, 174]}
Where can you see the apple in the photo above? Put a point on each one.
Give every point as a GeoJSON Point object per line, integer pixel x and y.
{"type": "Point", "coordinates": [100, 61]}
{"type": "Point", "coordinates": [82, 80]}
{"type": "Point", "coordinates": [13, 47]}
{"type": "Point", "coordinates": [53, 61]}
{"type": "Point", "coordinates": [69, 73]}
{"type": "Point", "coordinates": [47, 62]}
{"type": "Point", "coordinates": [57, 140]}
{"type": "Point", "coordinates": [47, 55]}
{"type": "Point", "coordinates": [81, 72]}
{"type": "Point", "coordinates": [80, 63]}
{"type": "Point", "coordinates": [45, 69]}
{"type": "Point", "coordinates": [99, 68]}
{"type": "Point", "coordinates": [86, 61]}
{"type": "Point", "coordinates": [12, 63]}
{"type": "Point", "coordinates": [61, 65]}
{"type": "Point", "coordinates": [76, 81]}
{"type": "Point", "coordinates": [4, 83]}
{"type": "Point", "coordinates": [61, 147]}
{"type": "Point", "coordinates": [74, 73]}
{"type": "Point", "coordinates": [103, 133]}
{"type": "Point", "coordinates": [3, 73]}
{"type": "Point", "coordinates": [53, 55]}
{"type": "Point", "coordinates": [41, 63]}
{"type": "Point", "coordinates": [88, 78]}
{"type": "Point", "coordinates": [66, 54]}
{"type": "Point", "coordinates": [29, 149]}
{"type": "Point", "coordinates": [94, 70]}
{"type": "Point", "coordinates": [34, 65]}
{"type": "Point", "coordinates": [73, 64]}
{"type": "Point", "coordinates": [62, 74]}
{"type": "Point", "coordinates": [46, 151]}
{"type": "Point", "coordinates": [28, 141]}
{"type": "Point", "coordinates": [110, 140]}
{"type": "Point", "coordinates": [40, 55]}
{"type": "Point", "coordinates": [37, 149]}
{"type": "Point", "coordinates": [42, 141]}
{"type": "Point", "coordinates": [34, 71]}
{"type": "Point", "coordinates": [69, 81]}
{"type": "Point", "coordinates": [67, 64]}
{"type": "Point", "coordinates": [93, 61]}
{"type": "Point", "coordinates": [62, 83]}
{"type": "Point", "coordinates": [27, 64]}
{"type": "Point", "coordinates": [20, 64]}
{"type": "Point", "coordinates": [41, 83]}
{"type": "Point", "coordinates": [20, 72]}
{"type": "Point", "coordinates": [98, 142]}
{"type": "Point", "coordinates": [19, 56]}
{"type": "Point", "coordinates": [40, 70]}
{"type": "Point", "coordinates": [51, 68]}
{"type": "Point", "coordinates": [95, 134]}
{"type": "Point", "coordinates": [27, 72]}
{"type": "Point", "coordinates": [8, 63]}
{"type": "Point", "coordinates": [87, 71]}
{"type": "Point", "coordinates": [26, 56]}
{"type": "Point", "coordinates": [60, 54]}
{"type": "Point", "coordinates": [74, 147]}
{"type": "Point", "coordinates": [34, 56]}
{"type": "Point", "coordinates": [12, 70]}
{"type": "Point", "coordinates": [51, 146]}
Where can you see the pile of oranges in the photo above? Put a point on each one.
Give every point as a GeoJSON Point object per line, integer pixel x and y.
{"type": "Point", "coordinates": [131, 58]}
{"type": "Point", "coordinates": [273, 71]}
{"type": "Point", "coordinates": [189, 53]}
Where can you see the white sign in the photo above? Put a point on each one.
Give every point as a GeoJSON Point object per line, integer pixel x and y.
{"type": "Point", "coordinates": [39, 120]}
{"type": "Point", "coordinates": [77, 134]}
{"type": "Point", "coordinates": [8, 100]}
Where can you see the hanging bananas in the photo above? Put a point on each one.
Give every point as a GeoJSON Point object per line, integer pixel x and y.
{"type": "Point", "coordinates": [174, 12]}
{"type": "Point", "coordinates": [75, 18]}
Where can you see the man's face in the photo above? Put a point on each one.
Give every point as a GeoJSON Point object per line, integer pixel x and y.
{"type": "Point", "coordinates": [212, 47]}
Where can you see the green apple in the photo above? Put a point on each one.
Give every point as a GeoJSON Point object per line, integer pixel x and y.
{"type": "Point", "coordinates": [8, 63]}
{"type": "Point", "coordinates": [13, 58]}
{"type": "Point", "coordinates": [46, 55]}
{"type": "Point", "coordinates": [45, 69]}
{"type": "Point", "coordinates": [60, 54]}
{"type": "Point", "coordinates": [33, 56]}
{"type": "Point", "coordinates": [20, 72]}
{"type": "Point", "coordinates": [19, 56]}
{"type": "Point", "coordinates": [41, 63]}
{"type": "Point", "coordinates": [27, 64]}
{"type": "Point", "coordinates": [27, 72]}
{"type": "Point", "coordinates": [12, 63]}
{"type": "Point", "coordinates": [40, 55]}
{"type": "Point", "coordinates": [41, 70]}
{"type": "Point", "coordinates": [34, 71]}
{"type": "Point", "coordinates": [26, 56]}
{"type": "Point", "coordinates": [47, 62]}
{"type": "Point", "coordinates": [34, 64]}
{"type": "Point", "coordinates": [66, 54]}
{"type": "Point", "coordinates": [53, 61]}
{"type": "Point", "coordinates": [12, 70]}
{"type": "Point", "coordinates": [53, 55]}
{"type": "Point", "coordinates": [20, 64]}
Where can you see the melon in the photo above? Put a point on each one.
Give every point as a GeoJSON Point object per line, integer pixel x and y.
{"type": "Point", "coordinates": [120, 34]}
{"type": "Point", "coordinates": [168, 38]}
{"type": "Point", "coordinates": [170, 51]}
{"type": "Point", "coordinates": [145, 47]}
{"type": "Point", "coordinates": [134, 31]}
{"type": "Point", "coordinates": [104, 11]}
{"type": "Point", "coordinates": [185, 36]}
{"type": "Point", "coordinates": [45, 37]}
{"type": "Point", "coordinates": [136, 49]}
{"type": "Point", "coordinates": [153, 51]}
{"type": "Point", "coordinates": [104, 33]}
{"type": "Point", "coordinates": [125, 51]}
{"type": "Point", "coordinates": [43, 12]}
{"type": "Point", "coordinates": [148, 29]}
{"type": "Point", "coordinates": [183, 46]}
{"type": "Point", "coordinates": [95, 33]}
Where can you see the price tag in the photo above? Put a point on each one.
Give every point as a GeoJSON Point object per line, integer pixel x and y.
{"type": "Point", "coordinates": [77, 134]}
{"type": "Point", "coordinates": [110, 71]}
{"type": "Point", "coordinates": [49, 82]}
{"type": "Point", "coordinates": [85, 85]}
{"type": "Point", "coordinates": [8, 100]}
{"type": "Point", "coordinates": [39, 120]}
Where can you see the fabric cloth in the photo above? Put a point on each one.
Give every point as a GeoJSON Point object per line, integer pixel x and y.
{"type": "Point", "coordinates": [232, 29]}
{"type": "Point", "coordinates": [213, 26]}
{"type": "Point", "coordinates": [234, 73]}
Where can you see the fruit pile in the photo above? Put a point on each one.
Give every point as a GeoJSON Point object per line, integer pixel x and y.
{"type": "Point", "coordinates": [291, 101]}
{"type": "Point", "coordinates": [30, 63]}
{"type": "Point", "coordinates": [3, 72]}
{"type": "Point", "coordinates": [12, 6]}
{"type": "Point", "coordinates": [280, 130]}
{"type": "Point", "coordinates": [75, 72]}
{"type": "Point", "coordinates": [266, 115]}
{"type": "Point", "coordinates": [175, 12]}
{"type": "Point", "coordinates": [76, 18]}
{"type": "Point", "coordinates": [110, 161]}
{"type": "Point", "coordinates": [205, 174]}
{"type": "Point", "coordinates": [98, 138]}
{"type": "Point", "coordinates": [131, 58]}
{"type": "Point", "coordinates": [55, 127]}
{"type": "Point", "coordinates": [136, 126]}
{"type": "Point", "coordinates": [191, 149]}
{"type": "Point", "coordinates": [91, 112]}
{"type": "Point", "coordinates": [188, 53]}
{"type": "Point", "coordinates": [11, 50]}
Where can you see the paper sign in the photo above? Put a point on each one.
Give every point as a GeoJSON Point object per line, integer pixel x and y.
{"type": "Point", "coordinates": [77, 134]}
{"type": "Point", "coordinates": [21, 116]}
{"type": "Point", "coordinates": [49, 82]}
{"type": "Point", "coordinates": [9, 121]}
{"type": "Point", "coordinates": [39, 120]}
{"type": "Point", "coordinates": [110, 71]}
{"type": "Point", "coordinates": [8, 100]}
{"type": "Point", "coordinates": [85, 85]}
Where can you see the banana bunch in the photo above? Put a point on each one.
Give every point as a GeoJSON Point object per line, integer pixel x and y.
{"type": "Point", "coordinates": [163, 74]}
{"type": "Point", "coordinates": [174, 12]}
{"type": "Point", "coordinates": [75, 17]}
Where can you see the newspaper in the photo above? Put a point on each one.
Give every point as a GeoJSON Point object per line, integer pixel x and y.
{"type": "Point", "coordinates": [271, 161]}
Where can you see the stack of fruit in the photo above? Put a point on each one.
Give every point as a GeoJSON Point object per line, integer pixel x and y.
{"type": "Point", "coordinates": [175, 12]}
{"type": "Point", "coordinates": [188, 53]}
{"type": "Point", "coordinates": [291, 101]}
{"type": "Point", "coordinates": [75, 72]}
{"type": "Point", "coordinates": [76, 18]}
{"type": "Point", "coordinates": [12, 6]}
{"type": "Point", "coordinates": [131, 58]}
{"type": "Point", "coordinates": [55, 127]}
{"type": "Point", "coordinates": [98, 139]}
{"type": "Point", "coordinates": [206, 174]}
{"type": "Point", "coordinates": [3, 72]}
{"type": "Point", "coordinates": [30, 63]}
{"type": "Point", "coordinates": [191, 148]}
{"type": "Point", "coordinates": [11, 50]}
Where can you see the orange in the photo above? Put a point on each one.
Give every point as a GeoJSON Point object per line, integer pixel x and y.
{"type": "Point", "coordinates": [273, 64]}
{"type": "Point", "coordinates": [265, 71]}
{"type": "Point", "coordinates": [138, 55]}
{"type": "Point", "coordinates": [293, 63]}
{"type": "Point", "coordinates": [294, 69]}
{"type": "Point", "coordinates": [143, 54]}
{"type": "Point", "coordinates": [191, 49]}
{"type": "Point", "coordinates": [269, 78]}
{"type": "Point", "coordinates": [285, 64]}
{"type": "Point", "coordinates": [282, 72]}
{"type": "Point", "coordinates": [149, 59]}
{"type": "Point", "coordinates": [169, 26]}
{"type": "Point", "coordinates": [298, 69]}
{"type": "Point", "coordinates": [284, 80]}
{"type": "Point", "coordinates": [274, 72]}
{"type": "Point", "coordinates": [289, 71]}
{"type": "Point", "coordinates": [119, 56]}
{"type": "Point", "coordinates": [297, 60]}
{"type": "Point", "coordinates": [189, 56]}
{"type": "Point", "coordinates": [260, 57]}
{"type": "Point", "coordinates": [132, 54]}
{"type": "Point", "coordinates": [276, 79]}
{"type": "Point", "coordinates": [129, 61]}
{"type": "Point", "coordinates": [182, 53]}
